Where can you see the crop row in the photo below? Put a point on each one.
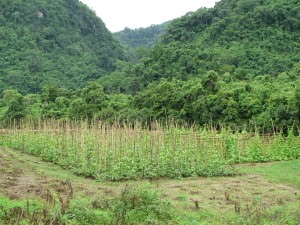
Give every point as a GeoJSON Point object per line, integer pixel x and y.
{"type": "Point", "coordinates": [114, 152]}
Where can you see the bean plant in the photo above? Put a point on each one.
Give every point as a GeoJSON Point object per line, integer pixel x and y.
{"type": "Point", "coordinates": [118, 151]}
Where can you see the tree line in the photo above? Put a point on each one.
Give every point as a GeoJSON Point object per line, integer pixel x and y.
{"type": "Point", "coordinates": [266, 102]}
{"type": "Point", "coordinates": [236, 64]}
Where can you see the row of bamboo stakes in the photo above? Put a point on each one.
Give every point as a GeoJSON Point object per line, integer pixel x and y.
{"type": "Point", "coordinates": [99, 148]}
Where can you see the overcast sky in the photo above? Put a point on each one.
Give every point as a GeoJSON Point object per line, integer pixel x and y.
{"type": "Point", "coordinates": [118, 14]}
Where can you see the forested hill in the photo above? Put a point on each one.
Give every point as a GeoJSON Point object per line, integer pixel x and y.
{"type": "Point", "coordinates": [244, 37]}
{"type": "Point", "coordinates": [142, 37]}
{"type": "Point", "coordinates": [59, 42]}
{"type": "Point", "coordinates": [236, 64]}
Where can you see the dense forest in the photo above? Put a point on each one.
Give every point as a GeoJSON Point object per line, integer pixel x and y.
{"type": "Point", "coordinates": [244, 37]}
{"type": "Point", "coordinates": [58, 42]}
{"type": "Point", "coordinates": [235, 64]}
{"type": "Point", "coordinates": [142, 37]}
{"type": "Point", "coordinates": [138, 42]}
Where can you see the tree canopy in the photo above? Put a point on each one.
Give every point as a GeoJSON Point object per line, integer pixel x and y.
{"type": "Point", "coordinates": [58, 42]}
{"type": "Point", "coordinates": [235, 64]}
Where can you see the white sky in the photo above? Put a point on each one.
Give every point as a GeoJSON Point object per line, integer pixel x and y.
{"type": "Point", "coordinates": [118, 14]}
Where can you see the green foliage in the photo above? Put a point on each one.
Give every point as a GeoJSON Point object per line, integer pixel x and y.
{"type": "Point", "coordinates": [95, 99]}
{"type": "Point", "coordinates": [119, 152]}
{"type": "Point", "coordinates": [234, 34]}
{"type": "Point", "coordinates": [81, 211]}
{"type": "Point", "coordinates": [163, 99]}
{"type": "Point", "coordinates": [236, 64]}
{"type": "Point", "coordinates": [13, 101]}
{"type": "Point", "coordinates": [134, 205]}
{"type": "Point", "coordinates": [141, 206]}
{"type": "Point", "coordinates": [142, 37]}
{"type": "Point", "coordinates": [60, 43]}
{"type": "Point", "coordinates": [18, 211]}
{"type": "Point", "coordinates": [245, 55]}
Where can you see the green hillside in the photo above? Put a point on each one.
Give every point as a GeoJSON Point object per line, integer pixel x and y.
{"type": "Point", "coordinates": [244, 37]}
{"type": "Point", "coordinates": [53, 42]}
{"type": "Point", "coordinates": [138, 42]}
{"type": "Point", "coordinates": [142, 37]}
{"type": "Point", "coordinates": [236, 64]}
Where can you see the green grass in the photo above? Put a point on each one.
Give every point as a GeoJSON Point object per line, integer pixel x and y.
{"type": "Point", "coordinates": [8, 207]}
{"type": "Point", "coordinates": [286, 172]}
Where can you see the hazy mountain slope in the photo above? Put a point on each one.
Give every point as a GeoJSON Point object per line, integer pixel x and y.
{"type": "Point", "coordinates": [142, 37]}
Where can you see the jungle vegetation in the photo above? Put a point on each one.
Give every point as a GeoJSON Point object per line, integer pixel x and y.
{"type": "Point", "coordinates": [235, 64]}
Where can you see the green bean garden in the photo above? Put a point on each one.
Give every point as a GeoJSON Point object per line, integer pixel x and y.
{"type": "Point", "coordinates": [112, 152]}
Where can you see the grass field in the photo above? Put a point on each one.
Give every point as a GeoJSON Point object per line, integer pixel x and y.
{"type": "Point", "coordinates": [36, 191]}
{"type": "Point", "coordinates": [287, 172]}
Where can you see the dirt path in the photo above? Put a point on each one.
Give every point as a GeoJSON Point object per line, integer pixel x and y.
{"type": "Point", "coordinates": [26, 176]}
